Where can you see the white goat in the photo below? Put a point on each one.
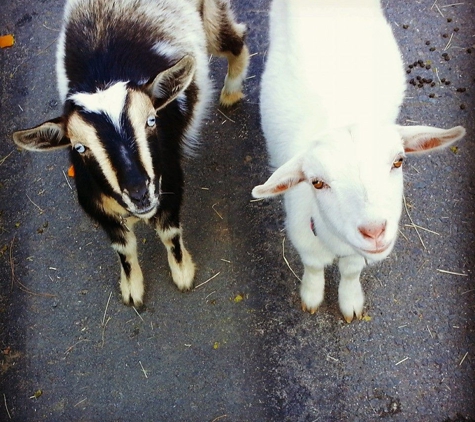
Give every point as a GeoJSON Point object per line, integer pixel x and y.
{"type": "Point", "coordinates": [331, 92]}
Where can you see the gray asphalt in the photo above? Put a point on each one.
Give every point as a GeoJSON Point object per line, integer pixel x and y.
{"type": "Point", "coordinates": [238, 348]}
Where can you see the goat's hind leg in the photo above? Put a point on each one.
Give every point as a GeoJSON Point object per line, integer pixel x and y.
{"type": "Point", "coordinates": [179, 260]}
{"type": "Point", "coordinates": [226, 38]}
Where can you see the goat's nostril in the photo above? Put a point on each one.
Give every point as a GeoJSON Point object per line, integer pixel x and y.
{"type": "Point", "coordinates": [373, 231]}
{"type": "Point", "coordinates": [138, 194]}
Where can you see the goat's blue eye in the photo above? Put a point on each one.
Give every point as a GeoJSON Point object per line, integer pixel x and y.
{"type": "Point", "coordinates": [80, 148]}
{"type": "Point", "coordinates": [151, 121]}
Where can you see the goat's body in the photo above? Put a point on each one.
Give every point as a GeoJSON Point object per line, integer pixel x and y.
{"type": "Point", "coordinates": [331, 78]}
{"type": "Point", "coordinates": [330, 95]}
{"type": "Point", "coordinates": [133, 78]}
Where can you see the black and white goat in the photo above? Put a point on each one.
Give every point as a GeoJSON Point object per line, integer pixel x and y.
{"type": "Point", "coordinates": [133, 78]}
{"type": "Point", "coordinates": [328, 113]}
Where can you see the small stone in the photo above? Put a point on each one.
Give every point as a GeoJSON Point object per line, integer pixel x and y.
{"type": "Point", "coordinates": [445, 35]}
{"type": "Point", "coordinates": [431, 95]}
{"type": "Point", "coordinates": [432, 49]}
{"type": "Point", "coordinates": [405, 26]}
{"type": "Point", "coordinates": [432, 84]}
{"type": "Point", "coordinates": [456, 29]}
{"type": "Point", "coordinates": [427, 42]}
{"type": "Point", "coordinates": [428, 66]}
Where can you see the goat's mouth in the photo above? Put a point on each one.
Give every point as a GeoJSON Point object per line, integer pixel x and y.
{"type": "Point", "coordinates": [376, 251]}
{"type": "Point", "coordinates": [146, 212]}
{"type": "Point", "coordinates": [379, 249]}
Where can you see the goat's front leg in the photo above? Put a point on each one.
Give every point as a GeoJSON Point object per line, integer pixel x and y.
{"type": "Point", "coordinates": [350, 292]}
{"type": "Point", "coordinates": [315, 256]}
{"type": "Point", "coordinates": [179, 260]}
{"type": "Point", "coordinates": [131, 278]}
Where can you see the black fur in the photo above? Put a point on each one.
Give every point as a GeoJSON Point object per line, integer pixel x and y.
{"type": "Point", "coordinates": [228, 39]}
{"type": "Point", "coordinates": [176, 249]}
{"type": "Point", "coordinates": [125, 265]}
{"type": "Point", "coordinates": [96, 56]}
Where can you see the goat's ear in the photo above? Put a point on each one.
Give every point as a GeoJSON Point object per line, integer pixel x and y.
{"type": "Point", "coordinates": [285, 177]}
{"type": "Point", "coordinates": [48, 136]}
{"type": "Point", "coordinates": [420, 139]}
{"type": "Point", "coordinates": [170, 83]}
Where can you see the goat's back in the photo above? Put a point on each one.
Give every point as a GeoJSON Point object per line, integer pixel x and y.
{"type": "Point", "coordinates": [330, 64]}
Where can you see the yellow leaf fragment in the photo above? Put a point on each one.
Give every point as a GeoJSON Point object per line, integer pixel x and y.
{"type": "Point", "coordinates": [238, 299]}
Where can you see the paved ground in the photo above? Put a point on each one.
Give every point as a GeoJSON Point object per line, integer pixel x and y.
{"type": "Point", "coordinates": [70, 351]}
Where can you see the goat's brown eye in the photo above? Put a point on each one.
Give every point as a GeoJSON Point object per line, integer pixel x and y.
{"type": "Point", "coordinates": [398, 163]}
{"type": "Point", "coordinates": [318, 184]}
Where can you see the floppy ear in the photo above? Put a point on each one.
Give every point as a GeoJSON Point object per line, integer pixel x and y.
{"type": "Point", "coordinates": [48, 136]}
{"type": "Point", "coordinates": [285, 177]}
{"type": "Point", "coordinates": [421, 139]}
{"type": "Point", "coordinates": [170, 83]}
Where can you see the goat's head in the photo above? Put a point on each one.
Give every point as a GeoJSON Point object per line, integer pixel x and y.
{"type": "Point", "coordinates": [355, 175]}
{"type": "Point", "coordinates": [111, 131]}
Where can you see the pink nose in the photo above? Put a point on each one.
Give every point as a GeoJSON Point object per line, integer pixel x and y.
{"type": "Point", "coordinates": [373, 231]}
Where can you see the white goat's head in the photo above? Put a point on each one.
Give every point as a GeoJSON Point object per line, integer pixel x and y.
{"type": "Point", "coordinates": [357, 182]}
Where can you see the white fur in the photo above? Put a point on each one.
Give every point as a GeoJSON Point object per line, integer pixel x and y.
{"type": "Point", "coordinates": [182, 272]}
{"type": "Point", "coordinates": [331, 92]}
{"type": "Point", "coordinates": [110, 101]}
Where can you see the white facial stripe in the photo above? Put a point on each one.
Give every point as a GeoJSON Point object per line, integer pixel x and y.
{"type": "Point", "coordinates": [140, 109]}
{"type": "Point", "coordinates": [110, 101]}
{"type": "Point", "coordinates": [81, 132]}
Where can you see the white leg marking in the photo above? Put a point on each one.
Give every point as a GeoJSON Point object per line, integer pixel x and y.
{"type": "Point", "coordinates": [179, 260]}
{"type": "Point", "coordinates": [132, 286]}
{"type": "Point", "coordinates": [237, 70]}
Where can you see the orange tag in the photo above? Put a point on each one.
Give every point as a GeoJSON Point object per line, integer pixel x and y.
{"type": "Point", "coordinates": [71, 171]}
{"type": "Point", "coordinates": [7, 40]}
